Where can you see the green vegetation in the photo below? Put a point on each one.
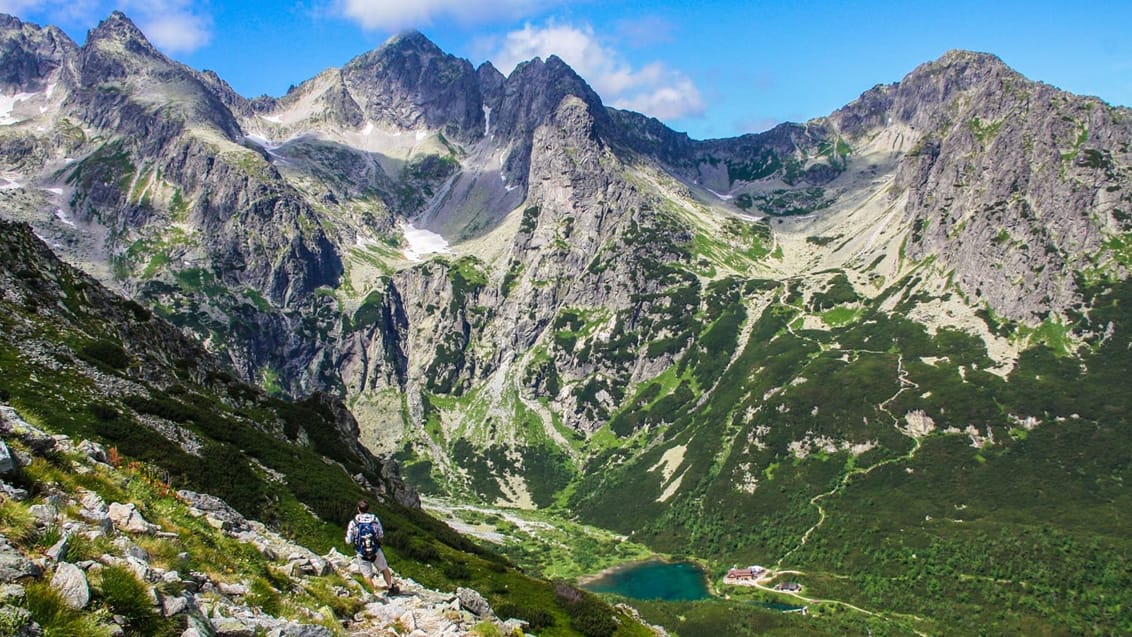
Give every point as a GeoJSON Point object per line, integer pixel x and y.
{"type": "Point", "coordinates": [786, 203]}
{"type": "Point", "coordinates": [983, 131]}
{"type": "Point", "coordinates": [757, 166]}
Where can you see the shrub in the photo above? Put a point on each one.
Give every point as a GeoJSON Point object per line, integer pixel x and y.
{"type": "Point", "coordinates": [16, 521]}
{"type": "Point", "coordinates": [103, 411]}
{"type": "Point", "coordinates": [53, 615]}
{"type": "Point", "coordinates": [536, 618]}
{"type": "Point", "coordinates": [487, 629]}
{"type": "Point", "coordinates": [263, 595]}
{"type": "Point", "coordinates": [124, 595]}
{"type": "Point", "coordinates": [104, 353]}
{"type": "Point", "coordinates": [457, 571]}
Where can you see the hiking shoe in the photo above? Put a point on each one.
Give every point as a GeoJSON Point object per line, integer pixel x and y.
{"type": "Point", "coordinates": [394, 590]}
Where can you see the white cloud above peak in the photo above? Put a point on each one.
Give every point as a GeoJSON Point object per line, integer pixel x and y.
{"type": "Point", "coordinates": [388, 15]}
{"type": "Point", "coordinates": [654, 89]}
{"type": "Point", "coordinates": [173, 25]}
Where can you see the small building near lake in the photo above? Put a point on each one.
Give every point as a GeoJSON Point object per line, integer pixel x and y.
{"type": "Point", "coordinates": [749, 573]}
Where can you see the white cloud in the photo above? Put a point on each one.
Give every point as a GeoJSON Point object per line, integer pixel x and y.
{"type": "Point", "coordinates": [58, 10]}
{"type": "Point", "coordinates": [391, 15]}
{"type": "Point", "coordinates": [177, 32]}
{"type": "Point", "coordinates": [16, 7]}
{"type": "Point", "coordinates": [175, 26]}
{"type": "Point", "coordinates": [654, 89]}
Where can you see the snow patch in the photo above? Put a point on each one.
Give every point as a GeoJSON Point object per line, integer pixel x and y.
{"type": "Point", "coordinates": [368, 129]}
{"type": "Point", "coordinates": [274, 119]}
{"type": "Point", "coordinates": [720, 195]}
{"type": "Point", "coordinates": [423, 242]}
{"type": "Point", "coordinates": [10, 184]}
{"type": "Point", "coordinates": [421, 134]}
{"type": "Point", "coordinates": [8, 102]}
{"type": "Point", "coordinates": [62, 216]}
{"type": "Point", "coordinates": [54, 191]}
{"type": "Point", "coordinates": [487, 121]}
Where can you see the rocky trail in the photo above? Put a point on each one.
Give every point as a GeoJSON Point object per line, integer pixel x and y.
{"type": "Point", "coordinates": [91, 536]}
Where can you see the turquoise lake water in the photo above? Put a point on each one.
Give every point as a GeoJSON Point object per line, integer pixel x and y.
{"type": "Point", "coordinates": [670, 581]}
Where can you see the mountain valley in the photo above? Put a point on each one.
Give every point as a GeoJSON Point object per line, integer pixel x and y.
{"type": "Point", "coordinates": [883, 349]}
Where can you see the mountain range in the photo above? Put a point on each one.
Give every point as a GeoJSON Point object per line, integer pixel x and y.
{"type": "Point", "coordinates": [858, 346]}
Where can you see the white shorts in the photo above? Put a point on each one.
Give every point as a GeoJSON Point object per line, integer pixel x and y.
{"type": "Point", "coordinates": [368, 568]}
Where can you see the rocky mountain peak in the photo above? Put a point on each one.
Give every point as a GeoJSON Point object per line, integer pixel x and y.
{"type": "Point", "coordinates": [119, 28]}
{"type": "Point", "coordinates": [411, 41]}
{"type": "Point", "coordinates": [410, 83]}
{"type": "Point", "coordinates": [117, 49]}
{"type": "Point", "coordinates": [29, 54]}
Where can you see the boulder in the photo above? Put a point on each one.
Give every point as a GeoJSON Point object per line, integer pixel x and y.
{"type": "Point", "coordinates": [70, 581]}
{"type": "Point", "coordinates": [174, 605]}
{"type": "Point", "coordinates": [92, 502]}
{"type": "Point", "coordinates": [44, 514]}
{"type": "Point", "coordinates": [470, 600]}
{"type": "Point", "coordinates": [127, 518]}
{"type": "Point", "coordinates": [14, 566]}
{"type": "Point", "coordinates": [94, 451]}
{"type": "Point", "coordinates": [300, 630]}
{"type": "Point", "coordinates": [58, 550]}
{"type": "Point", "coordinates": [233, 590]}
{"type": "Point", "coordinates": [11, 592]}
{"type": "Point", "coordinates": [231, 627]}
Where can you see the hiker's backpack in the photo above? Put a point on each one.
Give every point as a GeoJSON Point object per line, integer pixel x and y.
{"type": "Point", "coordinates": [366, 540]}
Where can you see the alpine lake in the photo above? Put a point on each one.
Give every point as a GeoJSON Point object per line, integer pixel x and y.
{"type": "Point", "coordinates": [653, 580]}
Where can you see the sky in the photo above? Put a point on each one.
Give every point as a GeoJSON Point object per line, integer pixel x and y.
{"type": "Point", "coordinates": [711, 68]}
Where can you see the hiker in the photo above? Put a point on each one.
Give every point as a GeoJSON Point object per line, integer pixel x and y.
{"type": "Point", "coordinates": [365, 533]}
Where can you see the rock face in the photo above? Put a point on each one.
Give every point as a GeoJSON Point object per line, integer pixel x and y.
{"type": "Point", "coordinates": [409, 83]}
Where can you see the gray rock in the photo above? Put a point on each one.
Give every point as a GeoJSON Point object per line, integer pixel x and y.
{"type": "Point", "coordinates": [11, 592]}
{"type": "Point", "coordinates": [7, 464]}
{"type": "Point", "coordinates": [92, 502]}
{"type": "Point", "coordinates": [216, 511]}
{"type": "Point", "coordinates": [94, 451]}
{"type": "Point", "coordinates": [44, 514]}
{"type": "Point", "coordinates": [15, 493]}
{"type": "Point", "coordinates": [58, 551]}
{"type": "Point", "coordinates": [20, 621]}
{"type": "Point", "coordinates": [231, 627]}
{"type": "Point", "coordinates": [127, 518]}
{"type": "Point", "coordinates": [237, 590]}
{"type": "Point", "coordinates": [14, 566]}
{"type": "Point", "coordinates": [472, 601]}
{"type": "Point", "coordinates": [300, 630]}
{"type": "Point", "coordinates": [174, 605]}
{"type": "Point", "coordinates": [129, 549]}
{"type": "Point", "coordinates": [70, 581]}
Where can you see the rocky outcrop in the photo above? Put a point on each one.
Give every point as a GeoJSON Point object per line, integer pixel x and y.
{"type": "Point", "coordinates": [1011, 184]}
{"type": "Point", "coordinates": [206, 604]}
{"type": "Point", "coordinates": [409, 83]}
{"type": "Point", "coordinates": [31, 58]}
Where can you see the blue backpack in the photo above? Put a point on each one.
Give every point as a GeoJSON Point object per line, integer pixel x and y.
{"type": "Point", "coordinates": [366, 540]}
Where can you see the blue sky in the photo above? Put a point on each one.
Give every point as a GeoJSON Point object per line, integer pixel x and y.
{"type": "Point", "coordinates": [713, 68]}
